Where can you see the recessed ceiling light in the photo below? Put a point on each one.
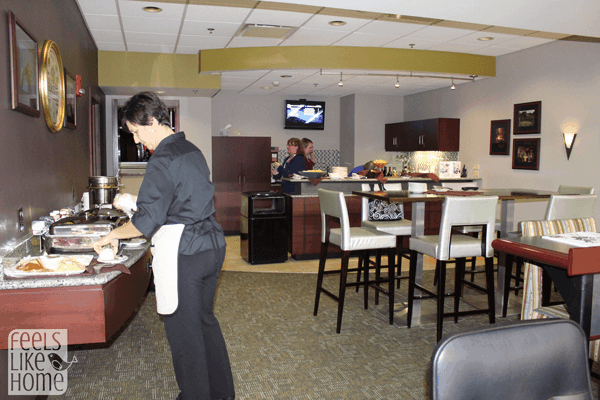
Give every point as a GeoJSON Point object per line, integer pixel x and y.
{"type": "Point", "coordinates": [337, 23]}
{"type": "Point", "coordinates": [266, 87]}
{"type": "Point", "coordinates": [152, 9]}
{"type": "Point", "coordinates": [485, 38]}
{"type": "Point", "coordinates": [285, 76]}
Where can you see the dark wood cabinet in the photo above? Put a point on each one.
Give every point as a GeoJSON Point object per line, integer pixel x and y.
{"type": "Point", "coordinates": [437, 134]}
{"type": "Point", "coordinates": [239, 164]}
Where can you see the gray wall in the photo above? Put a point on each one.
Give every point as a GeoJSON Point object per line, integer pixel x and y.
{"type": "Point", "coordinates": [565, 77]}
{"type": "Point", "coordinates": [38, 169]}
{"type": "Point", "coordinates": [347, 131]}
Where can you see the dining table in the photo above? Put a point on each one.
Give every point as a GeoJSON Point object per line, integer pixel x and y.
{"type": "Point", "coordinates": [573, 270]}
{"type": "Point", "coordinates": [507, 198]}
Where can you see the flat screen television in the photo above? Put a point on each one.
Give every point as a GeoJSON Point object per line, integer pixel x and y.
{"type": "Point", "coordinates": [304, 114]}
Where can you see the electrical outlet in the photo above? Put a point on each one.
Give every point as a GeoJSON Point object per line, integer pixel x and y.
{"type": "Point", "coordinates": [237, 132]}
{"type": "Point", "coordinates": [73, 194]}
{"type": "Point", "coordinates": [476, 166]}
{"type": "Point", "coordinates": [21, 218]}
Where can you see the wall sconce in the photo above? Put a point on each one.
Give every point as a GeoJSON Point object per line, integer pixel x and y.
{"type": "Point", "coordinates": [569, 139]}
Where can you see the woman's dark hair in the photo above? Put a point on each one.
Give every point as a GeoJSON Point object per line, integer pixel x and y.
{"type": "Point", "coordinates": [141, 106]}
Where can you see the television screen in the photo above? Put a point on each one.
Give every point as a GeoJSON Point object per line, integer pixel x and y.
{"type": "Point", "coordinates": [303, 114]}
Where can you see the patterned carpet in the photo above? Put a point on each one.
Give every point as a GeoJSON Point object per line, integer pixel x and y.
{"type": "Point", "coordinates": [278, 349]}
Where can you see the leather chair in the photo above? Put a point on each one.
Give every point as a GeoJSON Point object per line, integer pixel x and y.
{"type": "Point", "coordinates": [575, 189]}
{"type": "Point", "coordinates": [565, 206]}
{"type": "Point", "coordinates": [457, 211]}
{"type": "Point", "coordinates": [348, 239]}
{"type": "Point", "coordinates": [400, 228]}
{"type": "Point", "coordinates": [529, 360]}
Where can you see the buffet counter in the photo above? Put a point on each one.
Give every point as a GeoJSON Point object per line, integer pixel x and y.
{"type": "Point", "coordinates": [91, 307]}
{"type": "Point", "coordinates": [347, 185]}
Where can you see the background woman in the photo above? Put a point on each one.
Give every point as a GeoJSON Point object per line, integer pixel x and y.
{"type": "Point", "coordinates": [309, 154]}
{"type": "Point", "coordinates": [292, 164]}
{"type": "Point", "coordinates": [175, 208]}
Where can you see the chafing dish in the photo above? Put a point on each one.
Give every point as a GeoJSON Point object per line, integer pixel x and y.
{"type": "Point", "coordinates": [78, 233]}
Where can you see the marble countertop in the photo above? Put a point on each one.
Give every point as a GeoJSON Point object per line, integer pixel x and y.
{"type": "Point", "coordinates": [7, 283]}
{"type": "Point", "coordinates": [389, 179]}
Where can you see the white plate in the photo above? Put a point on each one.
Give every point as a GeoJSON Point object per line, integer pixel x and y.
{"type": "Point", "coordinates": [133, 243]}
{"type": "Point", "coordinates": [13, 272]}
{"type": "Point", "coordinates": [442, 190]}
{"type": "Point", "coordinates": [117, 260]}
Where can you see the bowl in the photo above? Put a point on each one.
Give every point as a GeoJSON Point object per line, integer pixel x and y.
{"type": "Point", "coordinates": [312, 174]}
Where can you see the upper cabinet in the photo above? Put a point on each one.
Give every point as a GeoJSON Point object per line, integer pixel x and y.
{"type": "Point", "coordinates": [437, 134]}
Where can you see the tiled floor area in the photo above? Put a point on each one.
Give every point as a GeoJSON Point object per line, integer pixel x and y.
{"type": "Point", "coordinates": [234, 262]}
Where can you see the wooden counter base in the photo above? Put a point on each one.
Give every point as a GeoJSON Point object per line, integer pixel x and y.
{"type": "Point", "coordinates": [92, 314]}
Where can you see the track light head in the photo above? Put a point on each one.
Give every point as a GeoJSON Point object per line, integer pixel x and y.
{"type": "Point", "coordinates": [397, 83]}
{"type": "Point", "coordinates": [341, 83]}
{"type": "Point", "coordinates": [452, 87]}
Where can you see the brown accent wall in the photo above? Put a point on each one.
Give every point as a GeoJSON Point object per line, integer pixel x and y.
{"type": "Point", "coordinates": [38, 168]}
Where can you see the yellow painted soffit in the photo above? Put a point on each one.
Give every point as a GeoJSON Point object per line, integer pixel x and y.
{"type": "Point", "coordinates": [132, 69]}
{"type": "Point", "coordinates": [343, 57]}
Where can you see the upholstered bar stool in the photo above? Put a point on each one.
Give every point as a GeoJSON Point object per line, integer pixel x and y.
{"type": "Point", "coordinates": [457, 211]}
{"type": "Point", "coordinates": [566, 206]}
{"type": "Point", "coordinates": [348, 239]}
{"type": "Point", "coordinates": [471, 230]}
{"type": "Point", "coordinates": [387, 218]}
{"type": "Point", "coordinates": [575, 189]}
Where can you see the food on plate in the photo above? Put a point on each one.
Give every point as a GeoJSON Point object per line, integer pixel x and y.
{"type": "Point", "coordinates": [314, 170]}
{"type": "Point", "coordinates": [379, 162]}
{"type": "Point", "coordinates": [63, 264]}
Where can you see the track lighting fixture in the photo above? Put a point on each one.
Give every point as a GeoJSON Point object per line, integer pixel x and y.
{"type": "Point", "coordinates": [452, 87]}
{"type": "Point", "coordinates": [397, 83]}
{"type": "Point", "coordinates": [341, 83]}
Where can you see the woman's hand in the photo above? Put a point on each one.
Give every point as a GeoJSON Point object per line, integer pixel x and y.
{"type": "Point", "coordinates": [109, 239]}
{"type": "Point", "coordinates": [274, 167]}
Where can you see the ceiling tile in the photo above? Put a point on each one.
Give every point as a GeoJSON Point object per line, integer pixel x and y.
{"type": "Point", "coordinates": [493, 51]}
{"type": "Point", "coordinates": [272, 17]}
{"type": "Point", "coordinates": [524, 42]}
{"type": "Point", "coordinates": [309, 36]}
{"type": "Point", "coordinates": [150, 48]}
{"type": "Point", "coordinates": [111, 46]}
{"type": "Point", "coordinates": [365, 40]}
{"type": "Point", "coordinates": [134, 24]}
{"type": "Point", "coordinates": [201, 28]}
{"type": "Point", "coordinates": [397, 29]}
{"type": "Point", "coordinates": [150, 38]}
{"type": "Point", "coordinates": [439, 34]}
{"type": "Point", "coordinates": [322, 22]}
{"type": "Point", "coordinates": [134, 8]}
{"type": "Point", "coordinates": [253, 42]}
{"type": "Point", "coordinates": [103, 22]}
{"type": "Point", "coordinates": [203, 42]}
{"type": "Point", "coordinates": [216, 14]}
{"type": "Point", "coordinates": [108, 36]}
{"type": "Point", "coordinates": [473, 38]}
{"type": "Point", "coordinates": [456, 47]}
{"type": "Point", "coordinates": [102, 7]}
{"type": "Point", "coordinates": [418, 44]}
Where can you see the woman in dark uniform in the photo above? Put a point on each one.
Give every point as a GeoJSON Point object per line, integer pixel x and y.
{"type": "Point", "coordinates": [292, 164]}
{"type": "Point", "coordinates": [175, 208]}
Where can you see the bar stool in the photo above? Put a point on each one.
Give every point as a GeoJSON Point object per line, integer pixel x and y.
{"type": "Point", "coordinates": [333, 209]}
{"type": "Point", "coordinates": [575, 189]}
{"type": "Point", "coordinates": [457, 211]}
{"type": "Point", "coordinates": [388, 223]}
{"type": "Point", "coordinates": [473, 231]}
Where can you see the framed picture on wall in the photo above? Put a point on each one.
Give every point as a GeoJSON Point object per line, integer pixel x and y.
{"type": "Point", "coordinates": [70, 101]}
{"type": "Point", "coordinates": [24, 68]}
{"type": "Point", "coordinates": [527, 118]}
{"type": "Point", "coordinates": [500, 137]}
{"type": "Point", "coordinates": [526, 154]}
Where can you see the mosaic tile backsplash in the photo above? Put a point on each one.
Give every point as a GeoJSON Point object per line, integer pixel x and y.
{"type": "Point", "coordinates": [417, 161]}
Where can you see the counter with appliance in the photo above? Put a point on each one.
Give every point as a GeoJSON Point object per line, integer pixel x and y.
{"type": "Point", "coordinates": [91, 307]}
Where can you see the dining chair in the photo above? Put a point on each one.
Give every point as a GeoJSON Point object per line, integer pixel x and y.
{"type": "Point", "coordinates": [457, 211]}
{"type": "Point", "coordinates": [575, 189]}
{"type": "Point", "coordinates": [528, 360]}
{"type": "Point", "coordinates": [387, 218]}
{"type": "Point", "coordinates": [566, 206]}
{"type": "Point", "coordinates": [471, 230]}
{"type": "Point", "coordinates": [535, 303]}
{"type": "Point", "coordinates": [348, 239]}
